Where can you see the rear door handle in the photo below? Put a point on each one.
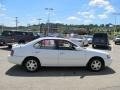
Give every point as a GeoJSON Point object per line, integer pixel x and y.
{"type": "Point", "coordinates": [37, 52]}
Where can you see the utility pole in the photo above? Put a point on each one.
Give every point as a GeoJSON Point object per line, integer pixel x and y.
{"type": "Point", "coordinates": [16, 21]}
{"type": "Point", "coordinates": [28, 27]}
{"type": "Point", "coordinates": [39, 24]}
{"type": "Point", "coordinates": [48, 21]}
{"type": "Point", "coordinates": [115, 17]}
{"type": "Point", "coordinates": [2, 27]}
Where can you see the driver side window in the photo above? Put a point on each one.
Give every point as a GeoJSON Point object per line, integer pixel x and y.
{"type": "Point", "coordinates": [65, 45]}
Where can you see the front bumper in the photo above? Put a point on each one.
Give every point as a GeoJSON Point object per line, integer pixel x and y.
{"type": "Point", "coordinates": [15, 59]}
{"type": "Point", "coordinates": [108, 61]}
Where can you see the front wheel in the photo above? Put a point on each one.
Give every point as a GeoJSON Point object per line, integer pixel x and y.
{"type": "Point", "coordinates": [95, 65]}
{"type": "Point", "coordinates": [32, 64]}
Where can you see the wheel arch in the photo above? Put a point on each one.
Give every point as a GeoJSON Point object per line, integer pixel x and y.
{"type": "Point", "coordinates": [96, 57]}
{"type": "Point", "coordinates": [29, 57]}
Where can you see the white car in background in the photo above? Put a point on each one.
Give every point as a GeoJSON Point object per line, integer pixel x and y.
{"type": "Point", "coordinates": [89, 38]}
{"type": "Point", "coordinates": [77, 41]}
{"type": "Point", "coordinates": [85, 41]}
{"type": "Point", "coordinates": [60, 52]}
{"type": "Point", "coordinates": [81, 38]}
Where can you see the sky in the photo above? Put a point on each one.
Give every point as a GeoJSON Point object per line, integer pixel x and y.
{"type": "Point", "coordinates": [64, 11]}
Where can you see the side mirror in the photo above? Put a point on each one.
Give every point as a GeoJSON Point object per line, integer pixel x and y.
{"type": "Point", "coordinates": [77, 48]}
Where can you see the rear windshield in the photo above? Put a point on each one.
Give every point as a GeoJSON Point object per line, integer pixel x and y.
{"type": "Point", "coordinates": [100, 36]}
{"type": "Point", "coordinates": [7, 33]}
{"type": "Point", "coordinates": [11, 33]}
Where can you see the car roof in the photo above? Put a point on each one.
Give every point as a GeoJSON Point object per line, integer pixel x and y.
{"type": "Point", "coordinates": [55, 38]}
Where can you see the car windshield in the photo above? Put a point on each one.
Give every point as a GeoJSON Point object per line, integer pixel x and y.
{"type": "Point", "coordinates": [100, 35]}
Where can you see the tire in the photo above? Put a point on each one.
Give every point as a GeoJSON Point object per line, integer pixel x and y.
{"type": "Point", "coordinates": [115, 43]}
{"type": "Point", "coordinates": [9, 46]}
{"type": "Point", "coordinates": [2, 43]}
{"type": "Point", "coordinates": [95, 65]}
{"type": "Point", "coordinates": [31, 64]}
{"type": "Point", "coordinates": [93, 46]}
{"type": "Point", "coordinates": [83, 44]}
{"type": "Point", "coordinates": [21, 42]}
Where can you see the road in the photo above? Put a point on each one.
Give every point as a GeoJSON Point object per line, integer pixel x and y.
{"type": "Point", "coordinates": [14, 77]}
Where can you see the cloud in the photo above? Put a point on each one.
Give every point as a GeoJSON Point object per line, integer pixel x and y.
{"type": "Point", "coordinates": [57, 21]}
{"type": "Point", "coordinates": [87, 21]}
{"type": "Point", "coordinates": [2, 9]}
{"type": "Point", "coordinates": [73, 18]}
{"type": "Point", "coordinates": [87, 14]}
{"type": "Point", "coordinates": [105, 4]}
{"type": "Point", "coordinates": [103, 16]}
{"type": "Point", "coordinates": [2, 14]}
{"type": "Point", "coordinates": [98, 3]}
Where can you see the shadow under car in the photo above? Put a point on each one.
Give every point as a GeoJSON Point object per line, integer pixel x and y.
{"type": "Point", "coordinates": [57, 72]}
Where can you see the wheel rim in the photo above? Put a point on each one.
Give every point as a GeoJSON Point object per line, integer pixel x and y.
{"type": "Point", "coordinates": [96, 65]}
{"type": "Point", "coordinates": [31, 65]}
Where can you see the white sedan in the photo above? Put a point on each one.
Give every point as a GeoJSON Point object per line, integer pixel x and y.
{"type": "Point", "coordinates": [77, 41]}
{"type": "Point", "coordinates": [60, 52]}
{"type": "Point", "coordinates": [80, 38]}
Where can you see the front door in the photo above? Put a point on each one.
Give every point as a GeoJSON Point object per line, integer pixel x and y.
{"type": "Point", "coordinates": [68, 55]}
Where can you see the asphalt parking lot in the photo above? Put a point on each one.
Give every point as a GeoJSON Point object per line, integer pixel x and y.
{"type": "Point", "coordinates": [14, 77]}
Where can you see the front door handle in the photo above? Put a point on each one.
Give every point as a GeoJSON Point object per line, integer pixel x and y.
{"type": "Point", "coordinates": [61, 53]}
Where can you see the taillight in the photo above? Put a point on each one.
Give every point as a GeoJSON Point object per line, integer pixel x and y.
{"type": "Point", "coordinates": [12, 52]}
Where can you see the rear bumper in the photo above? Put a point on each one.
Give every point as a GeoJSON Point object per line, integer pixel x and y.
{"type": "Point", "coordinates": [98, 44]}
{"type": "Point", "coordinates": [117, 41]}
{"type": "Point", "coordinates": [15, 59]}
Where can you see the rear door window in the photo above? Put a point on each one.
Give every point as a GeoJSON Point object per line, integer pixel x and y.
{"type": "Point", "coordinates": [45, 44]}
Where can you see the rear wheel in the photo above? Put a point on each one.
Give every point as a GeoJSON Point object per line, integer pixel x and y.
{"type": "Point", "coordinates": [2, 43]}
{"type": "Point", "coordinates": [93, 46]}
{"type": "Point", "coordinates": [95, 65]}
{"type": "Point", "coordinates": [21, 42]}
{"type": "Point", "coordinates": [32, 64]}
{"type": "Point", "coordinates": [9, 46]}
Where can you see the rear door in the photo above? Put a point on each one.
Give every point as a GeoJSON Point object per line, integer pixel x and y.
{"type": "Point", "coordinates": [47, 53]}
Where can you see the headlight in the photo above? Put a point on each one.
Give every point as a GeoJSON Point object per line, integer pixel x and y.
{"type": "Point", "coordinates": [108, 56]}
